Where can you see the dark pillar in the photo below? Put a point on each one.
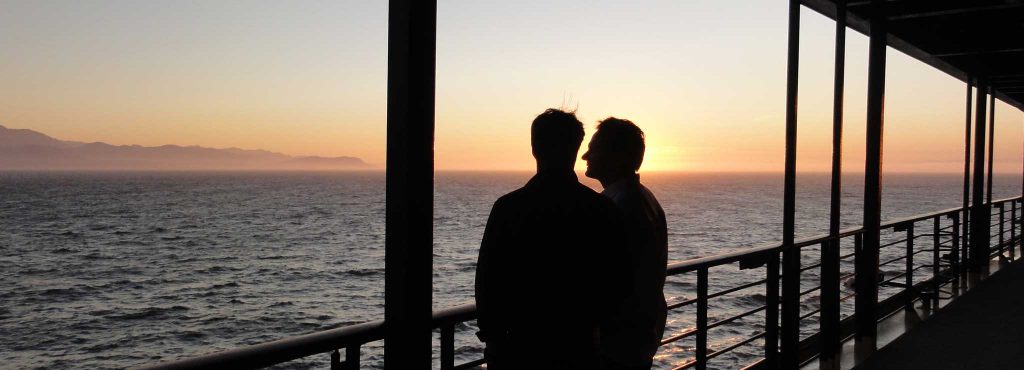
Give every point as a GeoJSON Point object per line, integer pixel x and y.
{"type": "Point", "coordinates": [829, 322]}
{"type": "Point", "coordinates": [967, 174]}
{"type": "Point", "coordinates": [980, 216]}
{"type": "Point", "coordinates": [790, 333]}
{"type": "Point", "coordinates": [867, 258]}
{"type": "Point", "coordinates": [991, 141]}
{"type": "Point", "coordinates": [410, 184]}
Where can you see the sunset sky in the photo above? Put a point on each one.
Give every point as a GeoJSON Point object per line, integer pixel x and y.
{"type": "Point", "coordinates": [705, 79]}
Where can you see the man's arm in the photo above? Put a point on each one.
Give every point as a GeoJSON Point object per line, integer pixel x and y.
{"type": "Point", "coordinates": [618, 277]}
{"type": "Point", "coordinates": [486, 278]}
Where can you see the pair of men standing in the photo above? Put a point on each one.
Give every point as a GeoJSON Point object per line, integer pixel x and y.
{"type": "Point", "coordinates": [568, 278]}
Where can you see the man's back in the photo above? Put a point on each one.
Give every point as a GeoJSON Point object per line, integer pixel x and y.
{"type": "Point", "coordinates": [640, 324]}
{"type": "Point", "coordinates": [549, 273]}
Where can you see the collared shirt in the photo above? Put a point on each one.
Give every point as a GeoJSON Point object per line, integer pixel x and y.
{"type": "Point", "coordinates": [641, 321]}
{"type": "Point", "coordinates": [549, 274]}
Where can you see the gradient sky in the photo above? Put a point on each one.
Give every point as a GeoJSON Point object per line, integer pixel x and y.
{"type": "Point", "coordinates": [705, 79]}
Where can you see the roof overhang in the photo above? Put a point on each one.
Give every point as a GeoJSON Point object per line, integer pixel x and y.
{"type": "Point", "coordinates": [976, 38]}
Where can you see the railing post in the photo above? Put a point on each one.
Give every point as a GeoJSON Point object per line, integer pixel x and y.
{"type": "Point", "coordinates": [447, 347]}
{"type": "Point", "coordinates": [702, 318]}
{"type": "Point", "coordinates": [954, 255]}
{"type": "Point", "coordinates": [336, 360]}
{"type": "Point", "coordinates": [980, 211]}
{"type": "Point", "coordinates": [829, 301]}
{"type": "Point", "coordinates": [790, 254]}
{"type": "Point", "coordinates": [908, 290]}
{"type": "Point", "coordinates": [936, 251]}
{"type": "Point", "coordinates": [828, 322]}
{"type": "Point", "coordinates": [408, 240]}
{"type": "Point", "coordinates": [771, 313]}
{"type": "Point", "coordinates": [967, 174]}
{"type": "Point", "coordinates": [1013, 229]}
{"type": "Point", "coordinates": [867, 256]}
{"type": "Point", "coordinates": [352, 357]}
{"type": "Point", "coordinates": [991, 141]}
{"type": "Point", "coordinates": [1002, 218]}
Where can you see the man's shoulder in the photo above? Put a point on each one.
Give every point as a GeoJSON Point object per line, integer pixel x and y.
{"type": "Point", "coordinates": [589, 196]}
{"type": "Point", "coordinates": [513, 198]}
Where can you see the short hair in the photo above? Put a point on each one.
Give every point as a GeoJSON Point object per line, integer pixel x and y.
{"type": "Point", "coordinates": [624, 137]}
{"type": "Point", "coordinates": [556, 135]}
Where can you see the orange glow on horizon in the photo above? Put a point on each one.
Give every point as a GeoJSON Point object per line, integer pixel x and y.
{"type": "Point", "coordinates": [708, 92]}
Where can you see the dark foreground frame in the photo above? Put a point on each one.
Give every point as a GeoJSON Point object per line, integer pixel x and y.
{"type": "Point", "coordinates": [994, 68]}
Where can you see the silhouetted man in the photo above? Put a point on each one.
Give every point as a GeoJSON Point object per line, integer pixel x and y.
{"type": "Point", "coordinates": [614, 157]}
{"type": "Point", "coordinates": [549, 273]}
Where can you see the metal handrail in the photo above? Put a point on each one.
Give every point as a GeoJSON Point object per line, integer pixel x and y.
{"type": "Point", "coordinates": [293, 348]}
{"type": "Point", "coordinates": [353, 336]}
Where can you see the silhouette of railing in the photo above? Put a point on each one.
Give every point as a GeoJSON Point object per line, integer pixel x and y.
{"type": "Point", "coordinates": [945, 264]}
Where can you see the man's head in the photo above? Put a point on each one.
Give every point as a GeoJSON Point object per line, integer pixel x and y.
{"type": "Point", "coordinates": [615, 151]}
{"type": "Point", "coordinates": [556, 136]}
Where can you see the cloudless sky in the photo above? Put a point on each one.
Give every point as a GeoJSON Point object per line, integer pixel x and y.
{"type": "Point", "coordinates": [705, 79]}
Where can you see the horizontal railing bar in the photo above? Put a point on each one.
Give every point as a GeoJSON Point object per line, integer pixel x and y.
{"type": "Point", "coordinates": [810, 267]}
{"type": "Point", "coordinates": [892, 260]}
{"type": "Point", "coordinates": [903, 257]}
{"type": "Point", "coordinates": [736, 317]}
{"type": "Point", "coordinates": [714, 354]}
{"type": "Point", "coordinates": [736, 345]}
{"type": "Point", "coordinates": [683, 334]}
{"type": "Point", "coordinates": [286, 349]}
{"type": "Point", "coordinates": [809, 314]}
{"type": "Point", "coordinates": [722, 259]}
{"type": "Point", "coordinates": [471, 364]}
{"type": "Point", "coordinates": [689, 332]}
{"type": "Point", "coordinates": [292, 348]}
{"type": "Point", "coordinates": [738, 288]}
{"type": "Point", "coordinates": [901, 241]}
{"type": "Point", "coordinates": [681, 304]}
{"type": "Point", "coordinates": [902, 274]}
{"type": "Point", "coordinates": [282, 350]}
{"type": "Point", "coordinates": [731, 257]}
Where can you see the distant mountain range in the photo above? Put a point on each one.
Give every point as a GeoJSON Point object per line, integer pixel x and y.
{"type": "Point", "coordinates": [22, 149]}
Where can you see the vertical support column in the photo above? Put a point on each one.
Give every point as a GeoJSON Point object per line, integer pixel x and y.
{"type": "Point", "coordinates": [702, 319]}
{"type": "Point", "coordinates": [908, 279]}
{"type": "Point", "coordinates": [867, 258]}
{"type": "Point", "coordinates": [967, 173]}
{"type": "Point", "coordinates": [771, 313]}
{"type": "Point", "coordinates": [790, 337]}
{"type": "Point", "coordinates": [1002, 230]}
{"type": "Point", "coordinates": [352, 357]}
{"type": "Point", "coordinates": [410, 184]}
{"type": "Point", "coordinates": [1013, 229]}
{"type": "Point", "coordinates": [448, 347]}
{"type": "Point", "coordinates": [954, 255]}
{"type": "Point", "coordinates": [829, 321]}
{"type": "Point", "coordinates": [980, 211]}
{"type": "Point", "coordinates": [991, 141]}
{"type": "Point", "coordinates": [936, 249]}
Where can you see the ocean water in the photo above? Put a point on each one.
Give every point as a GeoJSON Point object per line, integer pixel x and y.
{"type": "Point", "coordinates": [110, 270]}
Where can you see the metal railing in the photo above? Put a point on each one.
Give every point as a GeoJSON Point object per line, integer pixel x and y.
{"type": "Point", "coordinates": [944, 264]}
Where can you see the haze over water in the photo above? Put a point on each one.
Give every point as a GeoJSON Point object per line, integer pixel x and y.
{"type": "Point", "coordinates": [108, 270]}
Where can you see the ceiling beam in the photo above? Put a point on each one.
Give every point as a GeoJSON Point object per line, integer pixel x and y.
{"type": "Point", "coordinates": [953, 11]}
{"type": "Point", "coordinates": [979, 52]}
